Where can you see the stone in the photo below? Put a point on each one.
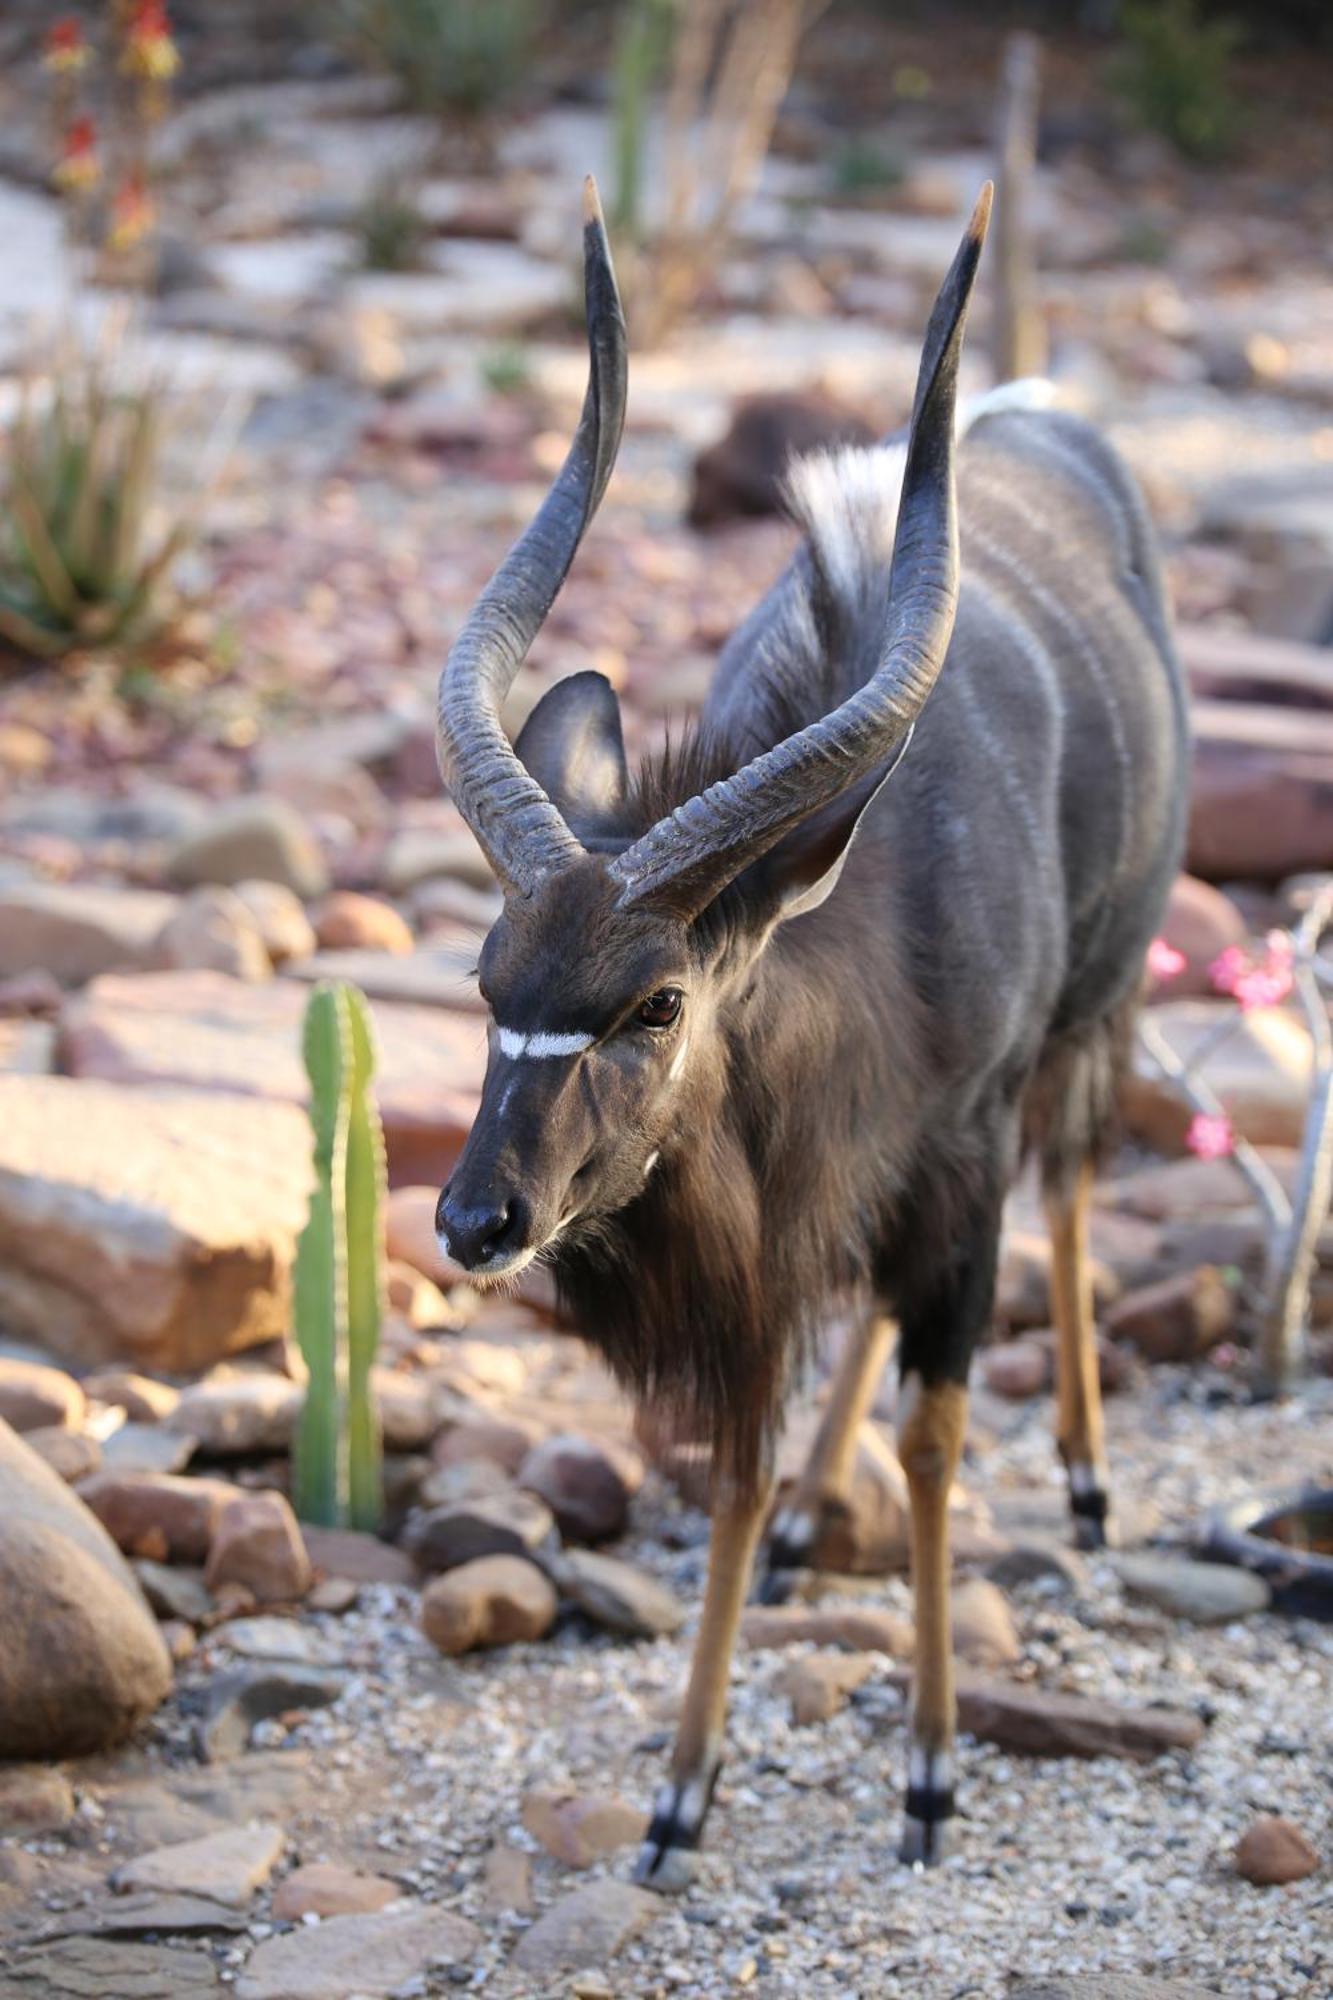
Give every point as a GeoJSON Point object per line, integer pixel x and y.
{"type": "Point", "coordinates": [489, 1438]}
{"type": "Point", "coordinates": [236, 1702]}
{"type": "Point", "coordinates": [148, 1914]}
{"type": "Point", "coordinates": [34, 1799]}
{"type": "Point", "coordinates": [585, 1928]}
{"type": "Point", "coordinates": [1023, 1283]}
{"type": "Point", "coordinates": [361, 1558]}
{"type": "Point", "coordinates": [73, 931]}
{"type": "Point", "coordinates": [587, 1483]}
{"type": "Point", "coordinates": [508, 1881]}
{"type": "Point", "coordinates": [176, 1591]}
{"type": "Point", "coordinates": [1261, 1074]}
{"type": "Point", "coordinates": [203, 1030]}
{"type": "Point", "coordinates": [110, 1252]}
{"type": "Point", "coordinates": [867, 1534]}
{"type": "Point", "coordinates": [250, 839]}
{"type": "Point", "coordinates": [369, 1956]}
{"type": "Point", "coordinates": [419, 854]}
{"type": "Point", "coordinates": [491, 1602]}
{"type": "Point", "coordinates": [821, 1684]}
{"type": "Point", "coordinates": [323, 1889]}
{"type": "Point", "coordinates": [1045, 1563]}
{"type": "Point", "coordinates": [147, 1448]}
{"type": "Point", "coordinates": [143, 1400]}
{"type": "Point", "coordinates": [409, 1234]}
{"type": "Point", "coordinates": [580, 1829]}
{"type": "Point", "coordinates": [416, 1299]}
{"type": "Point", "coordinates": [853, 1627]}
{"type": "Point", "coordinates": [409, 1409]}
{"type": "Point", "coordinates": [267, 1637]}
{"type": "Point", "coordinates": [211, 930]}
{"type": "Point", "coordinates": [1261, 795]}
{"type": "Point", "coordinates": [1200, 923]}
{"type": "Point", "coordinates": [1205, 1593]}
{"type": "Point", "coordinates": [1040, 1722]}
{"type": "Point", "coordinates": [1109, 1986]}
{"type": "Point", "coordinates": [229, 1867]}
{"type": "Point", "coordinates": [284, 928]}
{"type": "Point", "coordinates": [471, 1479]}
{"type": "Point", "coordinates": [1017, 1368]}
{"type": "Point", "coordinates": [83, 1661]}
{"type": "Point", "coordinates": [238, 1413]}
{"type": "Point", "coordinates": [1178, 1319]}
{"type": "Point", "coordinates": [618, 1595]}
{"type": "Point", "coordinates": [257, 1542]}
{"type": "Point", "coordinates": [346, 921]}
{"type": "Point", "coordinates": [70, 1453]}
{"type": "Point", "coordinates": [33, 1396]}
{"type": "Point", "coordinates": [1273, 1850]}
{"type": "Point", "coordinates": [95, 1968]}
{"type": "Point", "coordinates": [983, 1627]}
{"type": "Point", "coordinates": [503, 1524]}
{"type": "Point", "coordinates": [158, 1515]}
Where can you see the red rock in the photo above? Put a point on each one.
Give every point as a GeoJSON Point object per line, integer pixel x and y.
{"type": "Point", "coordinates": [582, 1829]}
{"type": "Point", "coordinates": [72, 1454]}
{"type": "Point", "coordinates": [257, 1543]}
{"type": "Point", "coordinates": [983, 1626]}
{"type": "Point", "coordinates": [503, 1441]}
{"type": "Point", "coordinates": [346, 921]}
{"type": "Point", "coordinates": [1227, 665]}
{"type": "Point", "coordinates": [823, 1683]}
{"type": "Point", "coordinates": [858, 1628]}
{"type": "Point", "coordinates": [867, 1534]}
{"type": "Point", "coordinates": [1178, 1319]}
{"type": "Point", "coordinates": [203, 1029]}
{"type": "Point", "coordinates": [158, 1514]}
{"type": "Point", "coordinates": [1273, 1850]}
{"type": "Point", "coordinates": [359, 1558]}
{"type": "Point", "coordinates": [1201, 923]}
{"type": "Point", "coordinates": [494, 1601]}
{"type": "Point", "coordinates": [1261, 799]}
{"type": "Point", "coordinates": [33, 1396]}
{"type": "Point", "coordinates": [323, 1889]}
{"type": "Point", "coordinates": [1017, 1368]}
{"type": "Point", "coordinates": [587, 1483]}
{"type": "Point", "coordinates": [143, 1400]}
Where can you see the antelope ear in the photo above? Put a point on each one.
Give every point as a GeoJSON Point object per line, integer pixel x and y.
{"type": "Point", "coordinates": [804, 869]}
{"type": "Point", "coordinates": [573, 746]}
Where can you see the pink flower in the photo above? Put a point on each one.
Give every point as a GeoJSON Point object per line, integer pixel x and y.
{"type": "Point", "coordinates": [1253, 981]}
{"type": "Point", "coordinates": [1228, 967]}
{"type": "Point", "coordinates": [1210, 1137]}
{"type": "Point", "coordinates": [1164, 961]}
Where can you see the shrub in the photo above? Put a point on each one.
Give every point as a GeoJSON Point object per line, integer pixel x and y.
{"type": "Point", "coordinates": [391, 230]}
{"type": "Point", "coordinates": [459, 56]}
{"type": "Point", "coordinates": [88, 544]}
{"type": "Point", "coordinates": [1175, 74]}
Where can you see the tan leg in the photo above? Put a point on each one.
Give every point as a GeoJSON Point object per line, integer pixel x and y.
{"type": "Point", "coordinates": [932, 1421]}
{"type": "Point", "coordinates": [1079, 1396]}
{"type": "Point", "coordinates": [826, 1480]}
{"type": "Point", "coordinates": [666, 1859]}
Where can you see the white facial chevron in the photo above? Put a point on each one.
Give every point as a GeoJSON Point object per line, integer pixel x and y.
{"type": "Point", "coordinates": [514, 1045]}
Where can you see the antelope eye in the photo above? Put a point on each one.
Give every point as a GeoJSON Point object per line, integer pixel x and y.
{"type": "Point", "coordinates": [660, 1009]}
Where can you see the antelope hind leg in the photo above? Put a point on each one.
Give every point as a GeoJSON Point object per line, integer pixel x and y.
{"type": "Point", "coordinates": [1079, 1427]}
{"type": "Point", "coordinates": [932, 1421]}
{"type": "Point", "coordinates": [667, 1856]}
{"type": "Point", "coordinates": [826, 1480]}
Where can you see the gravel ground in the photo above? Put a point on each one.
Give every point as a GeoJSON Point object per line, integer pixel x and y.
{"type": "Point", "coordinates": [1058, 1867]}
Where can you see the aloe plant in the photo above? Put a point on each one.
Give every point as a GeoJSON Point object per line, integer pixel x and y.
{"type": "Point", "coordinates": [339, 1276]}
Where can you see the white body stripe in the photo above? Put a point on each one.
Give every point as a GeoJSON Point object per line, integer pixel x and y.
{"type": "Point", "coordinates": [514, 1045]}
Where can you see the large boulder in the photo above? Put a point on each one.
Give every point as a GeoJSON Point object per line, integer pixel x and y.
{"type": "Point", "coordinates": [1261, 801]}
{"type": "Point", "coordinates": [204, 1030]}
{"type": "Point", "coordinates": [81, 1657]}
{"type": "Point", "coordinates": [74, 931]}
{"type": "Point", "coordinates": [149, 1226]}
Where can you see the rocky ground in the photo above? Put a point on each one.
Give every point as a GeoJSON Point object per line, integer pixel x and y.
{"type": "Point", "coordinates": [352, 1787]}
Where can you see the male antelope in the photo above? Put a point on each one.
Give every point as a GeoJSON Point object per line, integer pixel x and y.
{"type": "Point", "coordinates": [777, 1017]}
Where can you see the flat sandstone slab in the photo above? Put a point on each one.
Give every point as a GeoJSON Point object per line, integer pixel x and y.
{"type": "Point", "coordinates": [150, 1226]}
{"type": "Point", "coordinates": [205, 1031]}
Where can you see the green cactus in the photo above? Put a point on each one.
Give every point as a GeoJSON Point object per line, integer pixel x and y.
{"type": "Point", "coordinates": [339, 1269]}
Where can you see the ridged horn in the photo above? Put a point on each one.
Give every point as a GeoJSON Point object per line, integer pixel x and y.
{"type": "Point", "coordinates": [685, 860]}
{"type": "Point", "coordinates": [522, 834]}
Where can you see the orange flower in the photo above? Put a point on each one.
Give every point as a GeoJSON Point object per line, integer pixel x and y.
{"type": "Point", "coordinates": [78, 167]}
{"type": "Point", "coordinates": [150, 51]}
{"type": "Point", "coordinates": [66, 47]}
{"type": "Point", "coordinates": [132, 214]}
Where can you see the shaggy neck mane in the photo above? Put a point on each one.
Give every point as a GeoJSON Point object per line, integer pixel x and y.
{"type": "Point", "coordinates": [760, 1207]}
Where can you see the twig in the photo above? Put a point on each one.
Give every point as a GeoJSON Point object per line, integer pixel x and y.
{"type": "Point", "coordinates": [1019, 337]}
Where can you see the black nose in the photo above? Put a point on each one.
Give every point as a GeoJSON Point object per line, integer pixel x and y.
{"type": "Point", "coordinates": [476, 1237]}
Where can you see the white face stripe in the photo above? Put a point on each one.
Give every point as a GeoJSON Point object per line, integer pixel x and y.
{"type": "Point", "coordinates": [515, 1045]}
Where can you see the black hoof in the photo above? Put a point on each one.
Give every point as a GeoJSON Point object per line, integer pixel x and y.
{"type": "Point", "coordinates": [777, 1586]}
{"type": "Point", "coordinates": [1090, 1533]}
{"type": "Point", "coordinates": [925, 1842]}
{"type": "Point", "coordinates": [669, 1856]}
{"type": "Point", "coordinates": [1090, 1507]}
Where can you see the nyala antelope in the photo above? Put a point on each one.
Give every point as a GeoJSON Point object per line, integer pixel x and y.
{"type": "Point", "coordinates": [774, 1020]}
